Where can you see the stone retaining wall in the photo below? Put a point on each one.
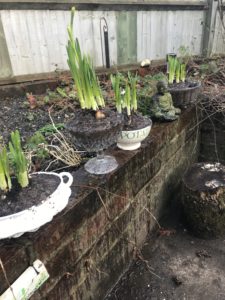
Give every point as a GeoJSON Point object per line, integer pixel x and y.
{"type": "Point", "coordinates": [88, 246]}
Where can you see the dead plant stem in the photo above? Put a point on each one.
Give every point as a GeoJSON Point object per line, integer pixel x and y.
{"type": "Point", "coordinates": [6, 278]}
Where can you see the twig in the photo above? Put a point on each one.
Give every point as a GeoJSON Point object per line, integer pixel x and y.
{"type": "Point", "coordinates": [140, 256]}
{"type": "Point", "coordinates": [145, 208]}
{"type": "Point", "coordinates": [6, 279]}
{"type": "Point", "coordinates": [64, 151]}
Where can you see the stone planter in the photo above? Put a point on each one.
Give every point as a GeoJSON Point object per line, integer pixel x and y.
{"type": "Point", "coordinates": [204, 199]}
{"type": "Point", "coordinates": [93, 135]}
{"type": "Point", "coordinates": [131, 139]}
{"type": "Point", "coordinates": [31, 219]}
{"type": "Point", "coordinates": [185, 95]}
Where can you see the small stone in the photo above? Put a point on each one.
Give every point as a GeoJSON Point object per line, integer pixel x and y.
{"type": "Point", "coordinates": [202, 253]}
{"type": "Point", "coordinates": [177, 280]}
{"type": "Point", "coordinates": [146, 62]}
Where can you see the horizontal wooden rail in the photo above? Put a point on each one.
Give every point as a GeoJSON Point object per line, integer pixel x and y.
{"type": "Point", "coordinates": [111, 5]}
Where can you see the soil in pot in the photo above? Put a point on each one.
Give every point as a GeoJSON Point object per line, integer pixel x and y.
{"type": "Point", "coordinates": [91, 134]}
{"type": "Point", "coordinates": [137, 121]}
{"type": "Point", "coordinates": [183, 85]}
{"type": "Point", "coordinates": [18, 199]}
{"type": "Point", "coordinates": [135, 130]}
{"type": "Point", "coordinates": [84, 120]}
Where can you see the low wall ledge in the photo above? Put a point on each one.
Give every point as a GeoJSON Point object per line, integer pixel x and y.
{"type": "Point", "coordinates": [111, 5]}
{"type": "Point", "coordinates": [84, 232]}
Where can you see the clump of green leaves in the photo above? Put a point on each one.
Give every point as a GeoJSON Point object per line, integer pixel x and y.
{"type": "Point", "coordinates": [184, 57]}
{"type": "Point", "coordinates": [116, 84]}
{"type": "Point", "coordinates": [178, 65]}
{"type": "Point", "coordinates": [125, 97]}
{"type": "Point", "coordinates": [177, 70]}
{"type": "Point", "coordinates": [50, 129]}
{"type": "Point", "coordinates": [183, 72]}
{"type": "Point", "coordinates": [13, 162]}
{"type": "Point", "coordinates": [19, 160]}
{"type": "Point", "coordinates": [5, 180]}
{"type": "Point", "coordinates": [34, 145]}
{"type": "Point", "coordinates": [172, 61]}
{"type": "Point", "coordinates": [81, 67]}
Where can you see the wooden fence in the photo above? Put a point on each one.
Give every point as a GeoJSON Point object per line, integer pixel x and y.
{"type": "Point", "coordinates": [33, 34]}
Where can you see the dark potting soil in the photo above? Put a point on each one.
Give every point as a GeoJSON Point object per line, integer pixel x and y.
{"type": "Point", "coordinates": [16, 114]}
{"type": "Point", "coordinates": [18, 199]}
{"type": "Point", "coordinates": [205, 177]}
{"type": "Point", "coordinates": [137, 121]}
{"type": "Point", "coordinates": [183, 85]}
{"type": "Point", "coordinates": [85, 120]}
{"type": "Point", "coordinates": [94, 134]}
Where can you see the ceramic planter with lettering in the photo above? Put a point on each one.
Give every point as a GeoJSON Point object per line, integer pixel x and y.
{"type": "Point", "coordinates": [131, 139]}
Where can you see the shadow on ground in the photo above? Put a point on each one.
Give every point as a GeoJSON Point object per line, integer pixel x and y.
{"type": "Point", "coordinates": [183, 267]}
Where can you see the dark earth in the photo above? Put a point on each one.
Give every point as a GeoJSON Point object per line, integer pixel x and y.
{"type": "Point", "coordinates": [203, 177]}
{"type": "Point", "coordinates": [85, 120]}
{"type": "Point", "coordinates": [175, 266]}
{"type": "Point", "coordinates": [182, 85]}
{"type": "Point", "coordinates": [40, 187]}
{"type": "Point", "coordinates": [15, 113]}
{"type": "Point", "coordinates": [136, 121]}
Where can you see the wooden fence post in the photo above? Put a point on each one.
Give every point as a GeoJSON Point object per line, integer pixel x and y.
{"type": "Point", "coordinates": [209, 28]}
{"type": "Point", "coordinates": [5, 63]}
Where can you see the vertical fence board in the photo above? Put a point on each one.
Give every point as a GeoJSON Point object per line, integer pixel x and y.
{"type": "Point", "coordinates": [219, 36]}
{"type": "Point", "coordinates": [160, 32]}
{"type": "Point", "coordinates": [127, 37]}
{"type": "Point", "coordinates": [5, 63]}
{"type": "Point", "coordinates": [36, 39]}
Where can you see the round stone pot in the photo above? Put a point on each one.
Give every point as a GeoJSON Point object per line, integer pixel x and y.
{"type": "Point", "coordinates": [184, 94]}
{"type": "Point", "coordinates": [203, 199]}
{"type": "Point", "coordinates": [95, 135]}
{"type": "Point", "coordinates": [131, 139]}
{"type": "Point", "coordinates": [91, 134]}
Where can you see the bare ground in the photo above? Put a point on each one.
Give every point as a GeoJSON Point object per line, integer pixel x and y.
{"type": "Point", "coordinates": [183, 267]}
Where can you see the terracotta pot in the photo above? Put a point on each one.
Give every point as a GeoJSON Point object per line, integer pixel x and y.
{"type": "Point", "coordinates": [185, 96]}
{"type": "Point", "coordinates": [32, 218]}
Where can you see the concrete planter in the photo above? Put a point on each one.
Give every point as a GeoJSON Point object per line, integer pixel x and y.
{"type": "Point", "coordinates": [31, 219]}
{"type": "Point", "coordinates": [96, 135]}
{"type": "Point", "coordinates": [204, 199]}
{"type": "Point", "coordinates": [185, 96]}
{"type": "Point", "coordinates": [131, 139]}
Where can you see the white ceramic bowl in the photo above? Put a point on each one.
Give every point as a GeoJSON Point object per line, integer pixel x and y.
{"type": "Point", "coordinates": [31, 219]}
{"type": "Point", "coordinates": [131, 140]}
